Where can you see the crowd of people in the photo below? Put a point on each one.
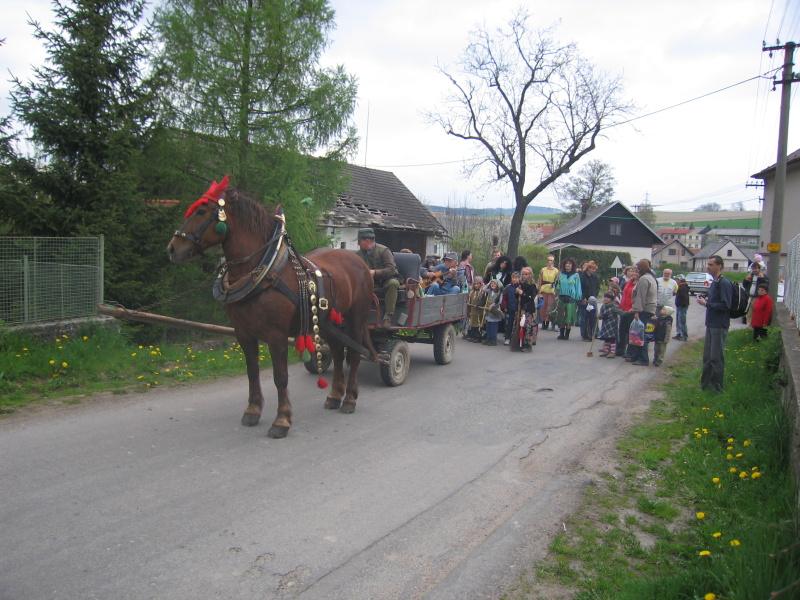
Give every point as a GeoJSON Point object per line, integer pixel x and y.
{"type": "Point", "coordinates": [634, 311]}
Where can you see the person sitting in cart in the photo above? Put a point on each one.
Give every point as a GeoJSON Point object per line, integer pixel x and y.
{"type": "Point", "coordinates": [380, 261]}
{"type": "Point", "coordinates": [445, 278]}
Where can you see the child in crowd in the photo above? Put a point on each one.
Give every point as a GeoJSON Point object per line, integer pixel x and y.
{"type": "Point", "coordinates": [475, 310]}
{"type": "Point", "coordinates": [494, 312]}
{"type": "Point", "coordinates": [591, 318]}
{"type": "Point", "coordinates": [613, 286]}
{"type": "Point", "coordinates": [609, 325]}
{"type": "Point", "coordinates": [662, 333]}
{"type": "Point", "coordinates": [509, 305]}
{"type": "Point", "coordinates": [762, 312]}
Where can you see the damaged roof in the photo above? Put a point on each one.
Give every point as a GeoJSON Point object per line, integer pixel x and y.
{"type": "Point", "coordinates": [379, 199]}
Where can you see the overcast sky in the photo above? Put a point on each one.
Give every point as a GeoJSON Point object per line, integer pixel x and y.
{"type": "Point", "coordinates": [669, 52]}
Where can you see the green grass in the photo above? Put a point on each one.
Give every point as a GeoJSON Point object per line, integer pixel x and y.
{"type": "Point", "coordinates": [703, 503]}
{"type": "Point", "coordinates": [96, 359]}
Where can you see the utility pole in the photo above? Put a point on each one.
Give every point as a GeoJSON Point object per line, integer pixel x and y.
{"type": "Point", "coordinates": [776, 231]}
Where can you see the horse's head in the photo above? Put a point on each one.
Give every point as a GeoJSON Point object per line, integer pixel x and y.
{"type": "Point", "coordinates": [205, 225]}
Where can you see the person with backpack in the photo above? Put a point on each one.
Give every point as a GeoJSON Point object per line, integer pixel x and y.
{"type": "Point", "coordinates": [718, 306]}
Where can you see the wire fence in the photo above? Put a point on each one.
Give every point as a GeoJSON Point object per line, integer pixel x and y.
{"type": "Point", "coordinates": [47, 279]}
{"type": "Point", "coordinates": [791, 277]}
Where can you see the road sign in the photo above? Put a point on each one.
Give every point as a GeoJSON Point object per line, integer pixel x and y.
{"type": "Point", "coordinates": [773, 247]}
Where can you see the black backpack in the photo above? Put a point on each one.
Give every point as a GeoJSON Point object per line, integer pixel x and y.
{"type": "Point", "coordinates": [738, 302]}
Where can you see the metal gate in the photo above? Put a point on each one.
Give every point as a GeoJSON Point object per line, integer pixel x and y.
{"type": "Point", "coordinates": [47, 279]}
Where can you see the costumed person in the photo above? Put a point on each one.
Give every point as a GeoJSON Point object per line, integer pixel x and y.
{"type": "Point", "coordinates": [383, 270]}
{"type": "Point", "coordinates": [510, 307]}
{"type": "Point", "coordinates": [762, 312]}
{"type": "Point", "coordinates": [661, 334]}
{"type": "Point", "coordinates": [548, 276]}
{"type": "Point", "coordinates": [569, 293]}
{"type": "Point", "coordinates": [496, 253]}
{"type": "Point", "coordinates": [494, 312]}
{"type": "Point", "coordinates": [609, 325]}
{"type": "Point", "coordinates": [500, 271]}
{"type": "Point", "coordinates": [527, 295]}
{"type": "Point", "coordinates": [590, 287]}
{"type": "Point", "coordinates": [476, 310]}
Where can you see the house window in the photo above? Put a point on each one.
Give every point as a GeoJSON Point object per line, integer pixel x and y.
{"type": "Point", "coordinates": [730, 252]}
{"type": "Point", "coordinates": [343, 245]}
{"type": "Point", "coordinates": [735, 266]}
{"type": "Point", "coordinates": [672, 252]}
{"type": "Point", "coordinates": [616, 229]}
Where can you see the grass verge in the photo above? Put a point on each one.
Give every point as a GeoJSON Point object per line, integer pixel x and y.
{"type": "Point", "coordinates": [702, 505]}
{"type": "Point", "coordinates": [96, 360]}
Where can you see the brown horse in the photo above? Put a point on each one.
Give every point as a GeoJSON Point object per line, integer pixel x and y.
{"type": "Point", "coordinates": [263, 288]}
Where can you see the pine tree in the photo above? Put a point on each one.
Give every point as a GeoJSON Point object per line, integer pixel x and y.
{"type": "Point", "coordinates": [88, 114]}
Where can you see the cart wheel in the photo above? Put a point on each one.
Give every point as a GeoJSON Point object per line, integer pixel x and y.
{"type": "Point", "coordinates": [394, 372]}
{"type": "Point", "coordinates": [444, 344]}
{"type": "Point", "coordinates": [327, 359]}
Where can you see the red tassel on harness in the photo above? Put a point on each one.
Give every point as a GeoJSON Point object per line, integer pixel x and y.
{"type": "Point", "coordinates": [310, 344]}
{"type": "Point", "coordinates": [335, 317]}
{"type": "Point", "coordinates": [300, 344]}
{"type": "Point", "coordinates": [321, 383]}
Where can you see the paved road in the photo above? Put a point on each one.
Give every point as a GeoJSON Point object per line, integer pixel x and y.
{"type": "Point", "coordinates": [444, 487]}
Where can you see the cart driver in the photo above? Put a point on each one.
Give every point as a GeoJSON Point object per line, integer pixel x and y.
{"type": "Point", "coordinates": [380, 262]}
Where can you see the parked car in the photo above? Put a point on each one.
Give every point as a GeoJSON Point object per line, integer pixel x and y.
{"type": "Point", "coordinates": [699, 282]}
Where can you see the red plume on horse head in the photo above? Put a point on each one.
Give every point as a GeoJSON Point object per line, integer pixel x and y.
{"type": "Point", "coordinates": [214, 192]}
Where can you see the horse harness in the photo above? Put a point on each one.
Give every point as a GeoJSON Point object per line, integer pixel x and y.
{"type": "Point", "coordinates": [311, 300]}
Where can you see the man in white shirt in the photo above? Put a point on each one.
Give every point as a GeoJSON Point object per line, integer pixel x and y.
{"type": "Point", "coordinates": [667, 287]}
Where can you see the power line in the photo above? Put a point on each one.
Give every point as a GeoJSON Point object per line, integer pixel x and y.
{"type": "Point", "coordinates": [450, 162]}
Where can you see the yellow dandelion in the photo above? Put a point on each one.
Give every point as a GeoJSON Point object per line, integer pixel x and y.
{"type": "Point", "coordinates": [133, 353]}
{"type": "Point", "coordinates": [706, 552]}
{"type": "Point", "coordinates": [65, 336]}
{"type": "Point", "coordinates": [747, 442]}
{"type": "Point", "coordinates": [701, 515]}
{"type": "Point", "coordinates": [55, 375]}
{"type": "Point", "coordinates": [715, 479]}
{"type": "Point", "coordinates": [729, 457]}
{"type": "Point", "coordinates": [52, 362]}
{"type": "Point", "coordinates": [754, 469]}
{"type": "Point", "coordinates": [735, 543]}
{"type": "Point", "coordinates": [729, 448]}
{"type": "Point", "coordinates": [710, 596]}
{"type": "Point", "coordinates": [65, 365]}
{"type": "Point", "coordinates": [734, 470]}
{"type": "Point", "coordinates": [720, 486]}
{"type": "Point", "coordinates": [86, 337]}
{"type": "Point", "coordinates": [731, 440]}
{"type": "Point", "coordinates": [743, 474]}
{"type": "Point", "coordinates": [718, 534]}
{"type": "Point", "coordinates": [755, 475]}
{"type": "Point", "coordinates": [740, 455]}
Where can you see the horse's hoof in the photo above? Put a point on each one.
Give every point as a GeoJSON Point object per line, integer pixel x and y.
{"type": "Point", "coordinates": [250, 419]}
{"type": "Point", "coordinates": [332, 403]}
{"type": "Point", "coordinates": [348, 408]}
{"type": "Point", "coordinates": [277, 432]}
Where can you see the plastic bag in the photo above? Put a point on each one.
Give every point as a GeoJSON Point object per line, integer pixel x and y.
{"type": "Point", "coordinates": [636, 333]}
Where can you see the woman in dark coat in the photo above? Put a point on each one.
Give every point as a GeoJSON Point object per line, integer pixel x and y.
{"type": "Point", "coordinates": [501, 270]}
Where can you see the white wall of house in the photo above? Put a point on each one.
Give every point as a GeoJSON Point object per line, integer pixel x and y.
{"type": "Point", "coordinates": [673, 253]}
{"type": "Point", "coordinates": [735, 261]}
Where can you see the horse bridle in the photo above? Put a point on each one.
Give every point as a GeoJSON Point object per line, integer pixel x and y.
{"type": "Point", "coordinates": [218, 215]}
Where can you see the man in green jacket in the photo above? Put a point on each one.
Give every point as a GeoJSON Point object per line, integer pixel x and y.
{"type": "Point", "coordinates": [380, 262]}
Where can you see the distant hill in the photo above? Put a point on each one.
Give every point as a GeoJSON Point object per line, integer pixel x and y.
{"type": "Point", "coordinates": [488, 212]}
{"type": "Point", "coordinates": [723, 218]}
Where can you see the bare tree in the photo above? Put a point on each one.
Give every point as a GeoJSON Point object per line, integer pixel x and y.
{"type": "Point", "coordinates": [533, 108]}
{"type": "Point", "coordinates": [592, 186]}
